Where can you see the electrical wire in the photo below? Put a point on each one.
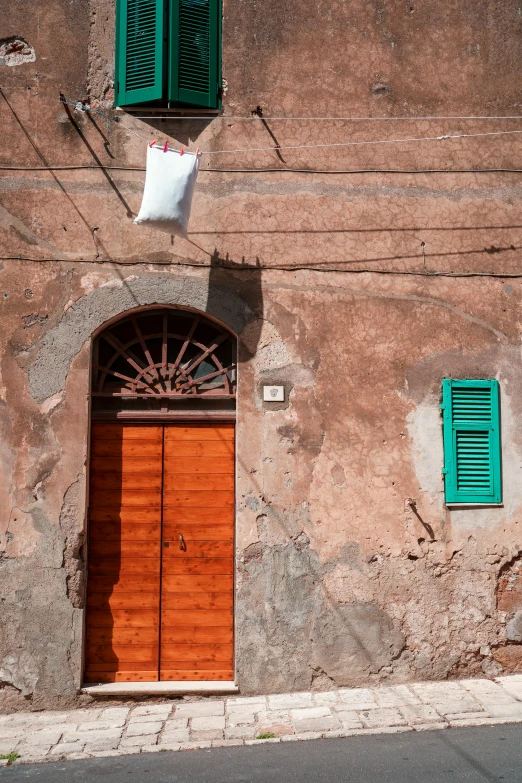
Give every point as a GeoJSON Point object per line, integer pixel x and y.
{"type": "Point", "coordinates": [79, 105]}
{"type": "Point", "coordinates": [70, 168]}
{"type": "Point", "coordinates": [224, 265]}
{"type": "Point", "coordinates": [275, 170]}
{"type": "Point", "coordinates": [277, 267]}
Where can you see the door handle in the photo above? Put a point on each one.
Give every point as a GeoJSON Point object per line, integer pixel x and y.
{"type": "Point", "coordinates": [182, 545]}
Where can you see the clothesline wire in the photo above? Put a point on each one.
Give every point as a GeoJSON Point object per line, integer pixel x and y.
{"type": "Point", "coordinates": [413, 139]}
{"type": "Point", "coordinates": [131, 130]}
{"type": "Point", "coordinates": [84, 107]}
{"type": "Point", "coordinates": [80, 105]}
{"type": "Point", "coordinates": [362, 143]}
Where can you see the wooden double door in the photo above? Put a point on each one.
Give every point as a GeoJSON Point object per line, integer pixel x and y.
{"type": "Point", "coordinates": [160, 587]}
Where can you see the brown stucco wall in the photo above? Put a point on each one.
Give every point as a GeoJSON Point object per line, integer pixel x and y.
{"type": "Point", "coordinates": [340, 579]}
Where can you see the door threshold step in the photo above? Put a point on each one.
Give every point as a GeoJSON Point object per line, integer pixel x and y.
{"type": "Point", "coordinates": [173, 688]}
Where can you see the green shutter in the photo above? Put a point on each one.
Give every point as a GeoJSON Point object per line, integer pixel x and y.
{"type": "Point", "coordinates": [195, 52]}
{"type": "Point", "coordinates": [139, 51]}
{"type": "Point", "coordinates": [472, 457]}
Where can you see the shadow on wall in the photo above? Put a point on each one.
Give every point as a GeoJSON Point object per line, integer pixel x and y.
{"type": "Point", "coordinates": [186, 131]}
{"type": "Point", "coordinates": [178, 129]}
{"type": "Point", "coordinates": [108, 530]}
{"type": "Point", "coordinates": [245, 279]}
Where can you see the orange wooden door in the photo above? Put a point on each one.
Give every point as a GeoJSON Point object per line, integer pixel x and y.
{"type": "Point", "coordinates": [197, 625]}
{"type": "Point", "coordinates": [123, 593]}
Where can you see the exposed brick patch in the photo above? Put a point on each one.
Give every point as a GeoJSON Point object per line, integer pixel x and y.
{"type": "Point", "coordinates": [510, 657]}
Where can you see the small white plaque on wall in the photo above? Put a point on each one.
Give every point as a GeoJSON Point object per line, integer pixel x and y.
{"type": "Point", "coordinates": [273, 393]}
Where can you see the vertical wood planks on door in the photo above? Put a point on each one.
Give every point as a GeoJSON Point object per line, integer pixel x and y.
{"type": "Point", "coordinates": [123, 594]}
{"type": "Point", "coordinates": [160, 597]}
{"type": "Point", "coordinates": [197, 625]}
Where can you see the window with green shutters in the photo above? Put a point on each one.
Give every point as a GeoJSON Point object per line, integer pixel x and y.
{"type": "Point", "coordinates": [471, 429]}
{"type": "Point", "coordinates": [168, 52]}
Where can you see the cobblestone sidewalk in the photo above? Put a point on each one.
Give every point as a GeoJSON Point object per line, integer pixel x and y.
{"type": "Point", "coordinates": [183, 724]}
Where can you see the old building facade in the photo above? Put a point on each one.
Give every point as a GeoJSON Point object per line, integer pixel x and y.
{"type": "Point", "coordinates": [358, 277]}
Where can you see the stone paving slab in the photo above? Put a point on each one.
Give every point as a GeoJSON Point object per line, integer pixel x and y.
{"type": "Point", "coordinates": [193, 723]}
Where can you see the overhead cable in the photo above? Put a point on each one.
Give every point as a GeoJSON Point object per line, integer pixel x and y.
{"type": "Point", "coordinates": [275, 267]}
{"type": "Point", "coordinates": [275, 170]}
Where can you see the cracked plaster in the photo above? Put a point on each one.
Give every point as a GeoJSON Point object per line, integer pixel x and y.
{"type": "Point", "coordinates": [362, 574]}
{"type": "Point", "coordinates": [339, 581]}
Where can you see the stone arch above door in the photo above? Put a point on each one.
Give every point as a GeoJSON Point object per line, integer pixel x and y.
{"type": "Point", "coordinates": [48, 372]}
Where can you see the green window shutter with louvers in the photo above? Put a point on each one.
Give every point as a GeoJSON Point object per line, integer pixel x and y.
{"type": "Point", "coordinates": [195, 52]}
{"type": "Point", "coordinates": [139, 51]}
{"type": "Point", "coordinates": [471, 429]}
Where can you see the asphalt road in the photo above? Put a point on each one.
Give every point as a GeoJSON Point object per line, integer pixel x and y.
{"type": "Point", "coordinates": [453, 755]}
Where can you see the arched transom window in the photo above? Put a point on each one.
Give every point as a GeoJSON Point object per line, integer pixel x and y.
{"type": "Point", "coordinates": [165, 353]}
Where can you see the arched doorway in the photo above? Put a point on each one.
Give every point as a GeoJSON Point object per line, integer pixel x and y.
{"type": "Point", "coordinates": [161, 502]}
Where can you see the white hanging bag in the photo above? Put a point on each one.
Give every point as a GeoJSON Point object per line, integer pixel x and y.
{"type": "Point", "coordinates": [169, 187]}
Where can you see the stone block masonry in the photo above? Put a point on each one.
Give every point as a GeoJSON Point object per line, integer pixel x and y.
{"type": "Point", "coordinates": [190, 724]}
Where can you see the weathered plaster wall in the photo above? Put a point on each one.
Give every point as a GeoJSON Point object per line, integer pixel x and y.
{"type": "Point", "coordinates": [340, 579]}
